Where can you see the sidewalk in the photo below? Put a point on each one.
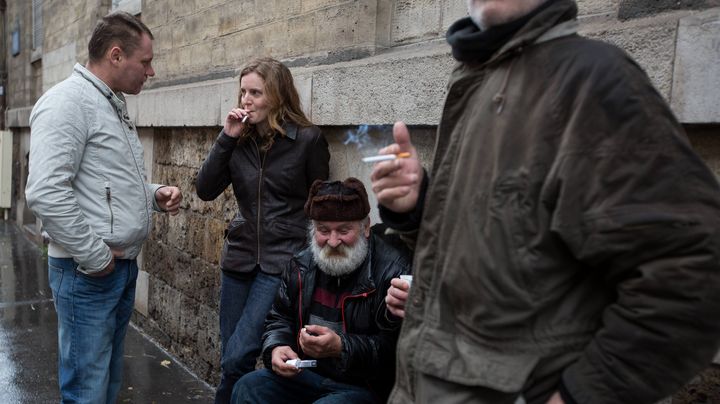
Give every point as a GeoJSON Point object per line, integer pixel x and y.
{"type": "Point", "coordinates": [28, 340]}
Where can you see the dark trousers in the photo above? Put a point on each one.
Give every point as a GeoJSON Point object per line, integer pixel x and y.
{"type": "Point", "coordinates": [264, 386]}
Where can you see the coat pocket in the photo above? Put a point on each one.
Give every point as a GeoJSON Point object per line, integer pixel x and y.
{"type": "Point", "coordinates": [453, 357]}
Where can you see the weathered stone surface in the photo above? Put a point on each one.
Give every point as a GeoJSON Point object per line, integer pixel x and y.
{"type": "Point", "coordinates": [379, 90]}
{"type": "Point", "coordinates": [415, 19]}
{"type": "Point", "coordinates": [594, 7]}
{"type": "Point", "coordinates": [696, 80]}
{"type": "Point", "coordinates": [452, 10]}
{"type": "Point", "coordinates": [641, 8]}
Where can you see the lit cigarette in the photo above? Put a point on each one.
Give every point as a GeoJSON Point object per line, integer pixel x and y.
{"type": "Point", "coordinates": [385, 157]}
{"type": "Point", "coordinates": [245, 118]}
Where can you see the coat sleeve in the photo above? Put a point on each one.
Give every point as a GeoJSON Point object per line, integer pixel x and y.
{"type": "Point", "coordinates": [60, 130]}
{"type": "Point", "coordinates": [281, 322]}
{"type": "Point", "coordinates": [214, 175]}
{"type": "Point", "coordinates": [636, 203]}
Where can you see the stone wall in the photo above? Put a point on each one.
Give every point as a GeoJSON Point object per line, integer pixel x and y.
{"type": "Point", "coordinates": [355, 62]}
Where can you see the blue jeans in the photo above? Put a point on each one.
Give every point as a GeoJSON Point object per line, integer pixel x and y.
{"type": "Point", "coordinates": [264, 386]}
{"type": "Point", "coordinates": [93, 315]}
{"type": "Point", "coordinates": [244, 304]}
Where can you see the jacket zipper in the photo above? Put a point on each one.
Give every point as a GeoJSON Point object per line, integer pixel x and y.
{"type": "Point", "coordinates": [148, 222]}
{"type": "Point", "coordinates": [259, 193]}
{"type": "Point", "coordinates": [108, 198]}
{"type": "Point", "coordinates": [342, 304]}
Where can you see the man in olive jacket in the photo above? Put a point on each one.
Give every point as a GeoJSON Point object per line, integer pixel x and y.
{"type": "Point", "coordinates": [329, 309]}
{"type": "Point", "coordinates": [569, 237]}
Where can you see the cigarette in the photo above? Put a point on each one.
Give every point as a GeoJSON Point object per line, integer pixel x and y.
{"type": "Point", "coordinates": [245, 118]}
{"type": "Point", "coordinates": [385, 157]}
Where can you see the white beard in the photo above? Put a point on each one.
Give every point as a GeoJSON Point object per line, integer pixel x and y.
{"type": "Point", "coordinates": [341, 260]}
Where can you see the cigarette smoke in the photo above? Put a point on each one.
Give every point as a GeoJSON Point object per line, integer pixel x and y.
{"type": "Point", "coordinates": [369, 139]}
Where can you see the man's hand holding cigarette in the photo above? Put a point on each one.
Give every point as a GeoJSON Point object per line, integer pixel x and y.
{"type": "Point", "coordinates": [396, 182]}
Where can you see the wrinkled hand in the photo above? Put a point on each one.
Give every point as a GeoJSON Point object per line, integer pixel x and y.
{"type": "Point", "coordinates": [396, 183]}
{"type": "Point", "coordinates": [556, 399]}
{"type": "Point", "coordinates": [233, 122]}
{"type": "Point", "coordinates": [281, 354]}
{"type": "Point", "coordinates": [116, 252]}
{"type": "Point", "coordinates": [397, 295]}
{"type": "Point", "coordinates": [169, 198]}
{"type": "Point", "coordinates": [324, 344]}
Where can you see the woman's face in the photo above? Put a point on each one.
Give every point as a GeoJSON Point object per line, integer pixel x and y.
{"type": "Point", "coordinates": [253, 98]}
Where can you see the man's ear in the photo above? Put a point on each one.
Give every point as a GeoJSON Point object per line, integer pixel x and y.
{"type": "Point", "coordinates": [367, 227]}
{"type": "Point", "coordinates": [115, 54]}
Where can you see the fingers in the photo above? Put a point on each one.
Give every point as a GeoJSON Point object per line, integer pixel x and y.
{"type": "Point", "coordinates": [107, 271]}
{"type": "Point", "coordinates": [402, 136]}
{"type": "Point", "coordinates": [234, 122]}
{"type": "Point", "coordinates": [325, 342]}
{"type": "Point", "coordinates": [117, 252]}
{"type": "Point", "coordinates": [396, 297]}
{"type": "Point", "coordinates": [279, 356]}
{"type": "Point", "coordinates": [397, 312]}
{"type": "Point", "coordinates": [400, 284]}
{"type": "Point", "coordinates": [169, 199]}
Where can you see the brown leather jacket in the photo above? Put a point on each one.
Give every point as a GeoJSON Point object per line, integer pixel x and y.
{"type": "Point", "coordinates": [567, 212]}
{"type": "Point", "coordinates": [270, 189]}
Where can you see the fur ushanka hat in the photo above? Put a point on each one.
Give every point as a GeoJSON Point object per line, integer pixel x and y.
{"type": "Point", "coordinates": [336, 201]}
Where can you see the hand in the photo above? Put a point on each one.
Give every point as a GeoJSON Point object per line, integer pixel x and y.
{"type": "Point", "coordinates": [169, 198]}
{"type": "Point", "coordinates": [281, 354]}
{"type": "Point", "coordinates": [397, 296]}
{"type": "Point", "coordinates": [556, 399]}
{"type": "Point", "coordinates": [110, 267]}
{"type": "Point", "coordinates": [325, 343]}
{"type": "Point", "coordinates": [396, 183]}
{"type": "Point", "coordinates": [233, 122]}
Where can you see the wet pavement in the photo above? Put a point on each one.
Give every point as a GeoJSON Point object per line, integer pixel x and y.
{"type": "Point", "coordinates": [28, 339]}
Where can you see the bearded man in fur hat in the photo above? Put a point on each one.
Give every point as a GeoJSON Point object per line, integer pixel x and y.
{"type": "Point", "coordinates": [330, 308]}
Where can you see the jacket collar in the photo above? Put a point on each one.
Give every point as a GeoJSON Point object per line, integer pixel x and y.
{"type": "Point", "coordinates": [291, 130]}
{"type": "Point", "coordinates": [554, 21]}
{"type": "Point", "coordinates": [116, 99]}
{"type": "Point", "coordinates": [472, 45]}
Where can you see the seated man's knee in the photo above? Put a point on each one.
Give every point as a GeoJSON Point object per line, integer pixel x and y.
{"type": "Point", "coordinates": [247, 384]}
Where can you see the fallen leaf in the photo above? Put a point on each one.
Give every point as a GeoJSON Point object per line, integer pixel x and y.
{"type": "Point", "coordinates": [166, 363]}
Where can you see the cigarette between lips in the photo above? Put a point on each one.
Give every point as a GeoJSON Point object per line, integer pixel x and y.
{"type": "Point", "coordinates": [245, 118]}
{"type": "Point", "coordinates": [385, 157]}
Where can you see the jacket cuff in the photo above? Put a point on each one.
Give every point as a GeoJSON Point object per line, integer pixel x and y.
{"type": "Point", "coordinates": [152, 188]}
{"type": "Point", "coordinates": [226, 141]}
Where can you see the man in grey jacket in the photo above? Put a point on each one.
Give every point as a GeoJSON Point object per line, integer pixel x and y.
{"type": "Point", "coordinates": [87, 185]}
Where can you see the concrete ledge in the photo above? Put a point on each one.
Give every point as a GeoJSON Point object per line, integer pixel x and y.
{"type": "Point", "coordinates": [696, 79]}
{"type": "Point", "coordinates": [405, 83]}
{"type": "Point", "coordinates": [18, 117]}
{"type": "Point", "coordinates": [201, 104]}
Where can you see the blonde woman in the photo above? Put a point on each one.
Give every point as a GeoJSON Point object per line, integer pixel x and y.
{"type": "Point", "coordinates": [271, 153]}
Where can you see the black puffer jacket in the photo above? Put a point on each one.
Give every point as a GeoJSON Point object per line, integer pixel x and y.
{"type": "Point", "coordinates": [270, 189]}
{"type": "Point", "coordinates": [368, 353]}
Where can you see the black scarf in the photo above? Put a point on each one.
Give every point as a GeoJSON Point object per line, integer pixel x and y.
{"type": "Point", "coordinates": [470, 44]}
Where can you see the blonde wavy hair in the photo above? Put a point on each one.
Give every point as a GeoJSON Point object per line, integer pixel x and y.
{"type": "Point", "coordinates": [283, 99]}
